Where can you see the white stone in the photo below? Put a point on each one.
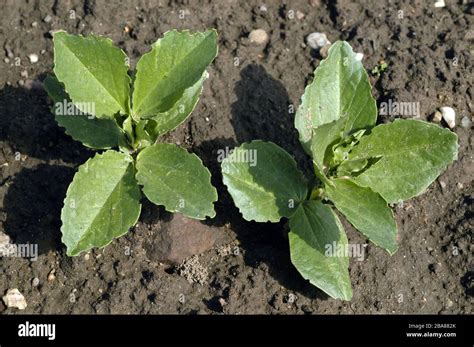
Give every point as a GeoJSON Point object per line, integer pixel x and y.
{"type": "Point", "coordinates": [439, 3]}
{"type": "Point", "coordinates": [317, 40]}
{"type": "Point", "coordinates": [449, 115]}
{"type": "Point", "coordinates": [33, 58]}
{"type": "Point", "coordinates": [14, 298]}
{"type": "Point", "coordinates": [259, 37]}
{"type": "Point", "coordinates": [359, 56]}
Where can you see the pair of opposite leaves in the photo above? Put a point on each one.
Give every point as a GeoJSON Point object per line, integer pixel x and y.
{"type": "Point", "coordinates": [375, 166]}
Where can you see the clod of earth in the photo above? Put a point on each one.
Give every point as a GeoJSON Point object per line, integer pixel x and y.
{"type": "Point", "coordinates": [181, 237]}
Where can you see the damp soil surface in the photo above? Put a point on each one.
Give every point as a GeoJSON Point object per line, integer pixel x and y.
{"type": "Point", "coordinates": [251, 94]}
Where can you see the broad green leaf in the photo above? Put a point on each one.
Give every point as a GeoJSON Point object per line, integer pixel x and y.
{"type": "Point", "coordinates": [94, 73]}
{"type": "Point", "coordinates": [92, 132]}
{"type": "Point", "coordinates": [169, 120]}
{"type": "Point", "coordinates": [366, 210]}
{"type": "Point", "coordinates": [316, 237]}
{"type": "Point", "coordinates": [264, 181]}
{"type": "Point", "coordinates": [102, 202]}
{"type": "Point", "coordinates": [175, 63]}
{"type": "Point", "coordinates": [340, 89]}
{"type": "Point", "coordinates": [176, 179]}
{"type": "Point", "coordinates": [411, 154]}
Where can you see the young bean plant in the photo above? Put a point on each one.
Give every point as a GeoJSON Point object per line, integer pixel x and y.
{"type": "Point", "coordinates": [100, 105]}
{"type": "Point", "coordinates": [360, 168]}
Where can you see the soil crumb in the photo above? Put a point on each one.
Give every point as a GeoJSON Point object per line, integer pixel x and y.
{"type": "Point", "coordinates": [193, 271]}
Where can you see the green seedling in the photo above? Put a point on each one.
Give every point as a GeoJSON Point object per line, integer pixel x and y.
{"type": "Point", "coordinates": [377, 71]}
{"type": "Point", "coordinates": [96, 104]}
{"type": "Point", "coordinates": [359, 169]}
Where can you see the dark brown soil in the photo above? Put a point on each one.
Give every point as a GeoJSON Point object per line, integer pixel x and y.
{"type": "Point", "coordinates": [430, 61]}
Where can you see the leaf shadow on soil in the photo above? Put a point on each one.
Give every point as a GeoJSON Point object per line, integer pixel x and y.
{"type": "Point", "coordinates": [34, 187]}
{"type": "Point", "coordinates": [33, 205]}
{"type": "Point", "coordinates": [260, 112]}
{"type": "Point", "coordinates": [29, 128]}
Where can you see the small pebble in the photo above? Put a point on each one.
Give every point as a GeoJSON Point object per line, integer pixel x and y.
{"type": "Point", "coordinates": [449, 303]}
{"type": "Point", "coordinates": [87, 256]}
{"type": "Point", "coordinates": [439, 3]}
{"type": "Point", "coordinates": [263, 8]}
{"type": "Point", "coordinates": [359, 56]}
{"type": "Point", "coordinates": [460, 185]}
{"type": "Point", "coordinates": [33, 58]}
{"type": "Point", "coordinates": [14, 298]}
{"type": "Point", "coordinates": [47, 19]}
{"type": "Point", "coordinates": [449, 115]}
{"type": "Point", "coordinates": [24, 73]}
{"type": "Point", "coordinates": [300, 15]}
{"type": "Point", "coordinates": [6, 60]}
{"type": "Point", "coordinates": [324, 51]}
{"type": "Point", "coordinates": [317, 40]}
{"type": "Point", "coordinates": [259, 37]}
{"type": "Point", "coordinates": [315, 3]}
{"type": "Point", "coordinates": [35, 282]}
{"type": "Point", "coordinates": [442, 184]}
{"type": "Point", "coordinates": [34, 24]}
{"type": "Point", "coordinates": [466, 122]}
{"type": "Point", "coordinates": [52, 275]}
{"type": "Point", "coordinates": [437, 117]}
